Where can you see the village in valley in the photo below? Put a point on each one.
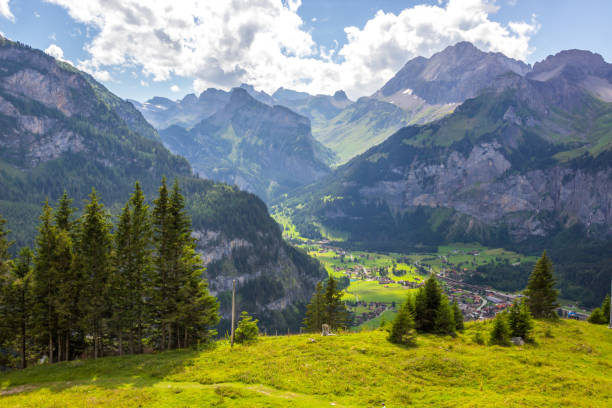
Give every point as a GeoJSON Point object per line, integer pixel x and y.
{"type": "Point", "coordinates": [376, 284]}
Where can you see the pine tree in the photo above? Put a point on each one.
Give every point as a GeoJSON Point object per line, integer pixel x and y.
{"type": "Point", "coordinates": [601, 315]}
{"type": "Point", "coordinates": [540, 292]}
{"type": "Point", "coordinates": [314, 311]}
{"type": "Point", "coordinates": [427, 303]}
{"type": "Point", "coordinates": [45, 281]}
{"type": "Point", "coordinates": [334, 310]}
{"type": "Point", "coordinates": [162, 264]}
{"type": "Point", "coordinates": [500, 334]}
{"type": "Point", "coordinates": [520, 321]}
{"type": "Point", "coordinates": [178, 287]}
{"type": "Point", "coordinates": [121, 288]}
{"type": "Point", "coordinates": [458, 317]}
{"type": "Point", "coordinates": [402, 331]}
{"type": "Point", "coordinates": [247, 330]}
{"type": "Point", "coordinates": [605, 309]}
{"type": "Point", "coordinates": [20, 300]}
{"type": "Point", "coordinates": [94, 262]}
{"type": "Point", "coordinates": [141, 251]}
{"type": "Point", "coordinates": [64, 213]}
{"type": "Point", "coordinates": [197, 309]}
{"type": "Point", "coordinates": [445, 320]}
{"type": "Point", "coordinates": [5, 244]}
{"type": "Point", "coordinates": [597, 317]}
{"type": "Point", "coordinates": [68, 285]}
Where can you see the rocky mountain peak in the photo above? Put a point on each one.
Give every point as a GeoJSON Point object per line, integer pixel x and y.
{"type": "Point", "coordinates": [340, 96]}
{"type": "Point", "coordinates": [452, 75]}
{"type": "Point", "coordinates": [238, 98]}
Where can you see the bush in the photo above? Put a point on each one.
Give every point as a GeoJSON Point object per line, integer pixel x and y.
{"type": "Point", "coordinates": [500, 335]}
{"type": "Point", "coordinates": [597, 317]}
{"type": "Point", "coordinates": [478, 338]}
{"type": "Point", "coordinates": [247, 330]}
{"type": "Point", "coordinates": [402, 331]}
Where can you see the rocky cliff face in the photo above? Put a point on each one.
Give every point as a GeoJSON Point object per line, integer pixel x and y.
{"type": "Point", "coordinates": [268, 150]}
{"type": "Point", "coordinates": [525, 159]}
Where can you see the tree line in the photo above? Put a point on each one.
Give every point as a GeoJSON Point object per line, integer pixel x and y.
{"type": "Point", "coordinates": [91, 287]}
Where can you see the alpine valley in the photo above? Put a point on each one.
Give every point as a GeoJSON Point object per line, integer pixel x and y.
{"type": "Point", "coordinates": [464, 146]}
{"type": "Point", "coordinates": [523, 163]}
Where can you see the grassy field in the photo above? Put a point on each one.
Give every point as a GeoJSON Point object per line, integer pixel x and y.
{"type": "Point", "coordinates": [570, 365]}
{"type": "Point", "coordinates": [372, 291]}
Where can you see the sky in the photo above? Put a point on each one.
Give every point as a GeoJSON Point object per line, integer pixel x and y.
{"type": "Point", "coordinates": [140, 49]}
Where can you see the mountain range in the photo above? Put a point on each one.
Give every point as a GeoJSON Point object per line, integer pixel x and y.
{"type": "Point", "coordinates": [527, 163]}
{"type": "Point", "coordinates": [63, 131]}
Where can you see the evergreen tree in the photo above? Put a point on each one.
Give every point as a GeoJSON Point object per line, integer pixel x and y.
{"type": "Point", "coordinates": [500, 334]}
{"type": "Point", "coordinates": [131, 282]}
{"type": "Point", "coordinates": [247, 330]}
{"type": "Point", "coordinates": [601, 315]}
{"type": "Point", "coordinates": [402, 331]}
{"type": "Point", "coordinates": [64, 213]}
{"type": "Point", "coordinates": [94, 262]}
{"type": "Point", "coordinates": [45, 282]}
{"type": "Point", "coordinates": [597, 317]}
{"type": "Point", "coordinates": [68, 285]}
{"type": "Point", "coordinates": [197, 309]}
{"type": "Point", "coordinates": [605, 308]}
{"type": "Point", "coordinates": [162, 264]}
{"type": "Point", "coordinates": [20, 301]}
{"type": "Point", "coordinates": [334, 310]}
{"type": "Point", "coordinates": [520, 321]}
{"type": "Point", "coordinates": [445, 320]}
{"type": "Point", "coordinates": [178, 290]}
{"type": "Point", "coordinates": [5, 244]}
{"type": "Point", "coordinates": [458, 317]}
{"type": "Point", "coordinates": [540, 292]}
{"type": "Point", "coordinates": [314, 311]}
{"type": "Point", "coordinates": [427, 303]}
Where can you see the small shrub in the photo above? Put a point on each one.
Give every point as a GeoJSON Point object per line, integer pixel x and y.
{"type": "Point", "coordinates": [478, 338]}
{"type": "Point", "coordinates": [247, 330]}
{"type": "Point", "coordinates": [500, 335]}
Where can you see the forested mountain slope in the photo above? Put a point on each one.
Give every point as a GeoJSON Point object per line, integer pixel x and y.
{"type": "Point", "coordinates": [61, 130]}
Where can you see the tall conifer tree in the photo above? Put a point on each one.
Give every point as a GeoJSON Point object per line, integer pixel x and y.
{"type": "Point", "coordinates": [45, 281]}
{"type": "Point", "coordinates": [541, 293]}
{"type": "Point", "coordinates": [94, 261]}
{"type": "Point", "coordinates": [314, 310]}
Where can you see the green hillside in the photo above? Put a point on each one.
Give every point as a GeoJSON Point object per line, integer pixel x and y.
{"type": "Point", "coordinates": [568, 366]}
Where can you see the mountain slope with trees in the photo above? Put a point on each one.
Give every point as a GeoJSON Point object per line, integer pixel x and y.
{"type": "Point", "coordinates": [61, 131]}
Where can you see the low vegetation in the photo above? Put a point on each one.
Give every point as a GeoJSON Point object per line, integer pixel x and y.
{"type": "Point", "coordinates": [568, 364]}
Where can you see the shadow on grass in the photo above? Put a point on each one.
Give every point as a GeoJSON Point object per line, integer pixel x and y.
{"type": "Point", "coordinates": [142, 370]}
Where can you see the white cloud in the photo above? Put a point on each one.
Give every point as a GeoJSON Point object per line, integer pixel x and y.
{"type": "Point", "coordinates": [144, 83]}
{"type": "Point", "coordinates": [265, 43]}
{"type": "Point", "coordinates": [5, 10]}
{"type": "Point", "coordinates": [175, 88]}
{"type": "Point", "coordinates": [55, 51]}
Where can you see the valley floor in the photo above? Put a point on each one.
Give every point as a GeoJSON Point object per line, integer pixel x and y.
{"type": "Point", "coordinates": [569, 365]}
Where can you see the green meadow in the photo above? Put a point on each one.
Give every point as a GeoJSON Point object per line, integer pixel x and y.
{"type": "Point", "coordinates": [569, 365]}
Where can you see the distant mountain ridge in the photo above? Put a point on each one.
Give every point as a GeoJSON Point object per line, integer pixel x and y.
{"type": "Point", "coordinates": [268, 150]}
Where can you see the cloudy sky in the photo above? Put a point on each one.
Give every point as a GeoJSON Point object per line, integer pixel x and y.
{"type": "Point", "coordinates": [140, 49]}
